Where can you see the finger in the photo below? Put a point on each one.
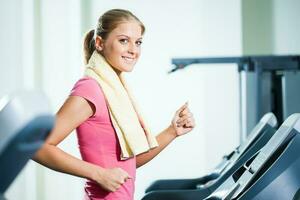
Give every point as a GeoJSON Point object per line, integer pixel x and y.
{"type": "Point", "coordinates": [187, 129]}
{"type": "Point", "coordinates": [127, 177]}
{"type": "Point", "coordinates": [117, 186]}
{"type": "Point", "coordinates": [114, 187]}
{"type": "Point", "coordinates": [125, 174]}
{"type": "Point", "coordinates": [185, 121]}
{"type": "Point", "coordinates": [122, 172]}
{"type": "Point", "coordinates": [182, 122]}
{"type": "Point", "coordinates": [190, 124]}
{"type": "Point", "coordinates": [184, 112]}
{"type": "Point", "coordinates": [188, 115]}
{"type": "Point", "coordinates": [182, 107]}
{"type": "Point", "coordinates": [119, 180]}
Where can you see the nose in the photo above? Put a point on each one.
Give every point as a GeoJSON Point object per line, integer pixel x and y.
{"type": "Point", "coordinates": [133, 49]}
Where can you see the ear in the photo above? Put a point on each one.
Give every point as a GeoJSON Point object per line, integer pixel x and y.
{"type": "Point", "coordinates": [99, 43]}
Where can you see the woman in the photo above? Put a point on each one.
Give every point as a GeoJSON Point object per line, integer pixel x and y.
{"type": "Point", "coordinates": [113, 138]}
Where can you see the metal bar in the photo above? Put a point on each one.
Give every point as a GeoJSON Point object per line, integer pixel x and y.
{"type": "Point", "coordinates": [282, 62]}
{"type": "Point", "coordinates": [258, 86]}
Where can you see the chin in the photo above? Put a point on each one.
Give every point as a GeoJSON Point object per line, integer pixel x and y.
{"type": "Point", "coordinates": [128, 68]}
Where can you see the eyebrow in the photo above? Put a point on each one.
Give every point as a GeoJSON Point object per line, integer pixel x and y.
{"type": "Point", "coordinates": [128, 36]}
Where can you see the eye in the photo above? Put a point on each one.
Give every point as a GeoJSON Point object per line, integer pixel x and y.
{"type": "Point", "coordinates": [123, 41]}
{"type": "Point", "coordinates": [138, 43]}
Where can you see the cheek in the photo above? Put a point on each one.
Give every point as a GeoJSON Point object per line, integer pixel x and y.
{"type": "Point", "coordinates": [139, 52]}
{"type": "Point", "coordinates": [112, 54]}
{"type": "Point", "coordinates": [112, 48]}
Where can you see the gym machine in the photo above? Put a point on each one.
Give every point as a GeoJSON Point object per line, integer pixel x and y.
{"type": "Point", "coordinates": [25, 122]}
{"type": "Point", "coordinates": [272, 173]}
{"type": "Point", "coordinates": [268, 84]}
{"type": "Point", "coordinates": [188, 189]}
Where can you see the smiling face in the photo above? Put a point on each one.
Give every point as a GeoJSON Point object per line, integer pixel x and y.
{"type": "Point", "coordinates": [122, 47]}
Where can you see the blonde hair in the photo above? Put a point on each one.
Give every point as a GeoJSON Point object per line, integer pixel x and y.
{"type": "Point", "coordinates": [106, 23]}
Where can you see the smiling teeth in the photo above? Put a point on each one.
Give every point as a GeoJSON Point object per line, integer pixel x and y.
{"type": "Point", "coordinates": [126, 58]}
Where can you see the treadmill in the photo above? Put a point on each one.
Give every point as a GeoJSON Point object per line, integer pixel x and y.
{"type": "Point", "coordinates": [202, 187]}
{"type": "Point", "coordinates": [25, 122]}
{"type": "Point", "coordinates": [272, 173]}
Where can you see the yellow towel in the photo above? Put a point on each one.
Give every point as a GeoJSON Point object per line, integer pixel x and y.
{"type": "Point", "coordinates": [132, 132]}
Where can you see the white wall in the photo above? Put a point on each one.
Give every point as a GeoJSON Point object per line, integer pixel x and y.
{"type": "Point", "coordinates": [271, 27]}
{"type": "Point", "coordinates": [257, 27]}
{"type": "Point", "coordinates": [286, 27]}
{"type": "Point", "coordinates": [11, 47]}
{"type": "Point", "coordinates": [61, 67]}
{"type": "Point", "coordinates": [173, 29]}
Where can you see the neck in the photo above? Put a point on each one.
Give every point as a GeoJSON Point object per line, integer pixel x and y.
{"type": "Point", "coordinates": [118, 72]}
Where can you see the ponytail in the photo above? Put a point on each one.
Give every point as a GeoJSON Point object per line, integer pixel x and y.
{"type": "Point", "coordinates": [106, 23]}
{"type": "Point", "coordinates": [88, 45]}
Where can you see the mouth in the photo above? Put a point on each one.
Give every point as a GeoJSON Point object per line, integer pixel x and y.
{"type": "Point", "coordinates": [128, 59]}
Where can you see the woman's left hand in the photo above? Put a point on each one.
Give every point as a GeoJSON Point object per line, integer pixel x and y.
{"type": "Point", "coordinates": [183, 121]}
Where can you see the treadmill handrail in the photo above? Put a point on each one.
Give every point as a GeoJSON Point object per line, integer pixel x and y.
{"type": "Point", "coordinates": [284, 133]}
{"type": "Point", "coordinates": [246, 63]}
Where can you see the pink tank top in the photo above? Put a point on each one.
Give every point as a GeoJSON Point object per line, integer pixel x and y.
{"type": "Point", "coordinates": [98, 143]}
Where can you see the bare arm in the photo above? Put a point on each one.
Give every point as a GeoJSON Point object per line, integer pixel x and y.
{"type": "Point", "coordinates": [163, 139]}
{"type": "Point", "coordinates": [74, 112]}
{"type": "Point", "coordinates": [182, 123]}
{"type": "Point", "coordinates": [66, 121]}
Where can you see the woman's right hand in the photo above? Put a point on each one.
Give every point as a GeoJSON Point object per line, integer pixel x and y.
{"type": "Point", "coordinates": [111, 179]}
